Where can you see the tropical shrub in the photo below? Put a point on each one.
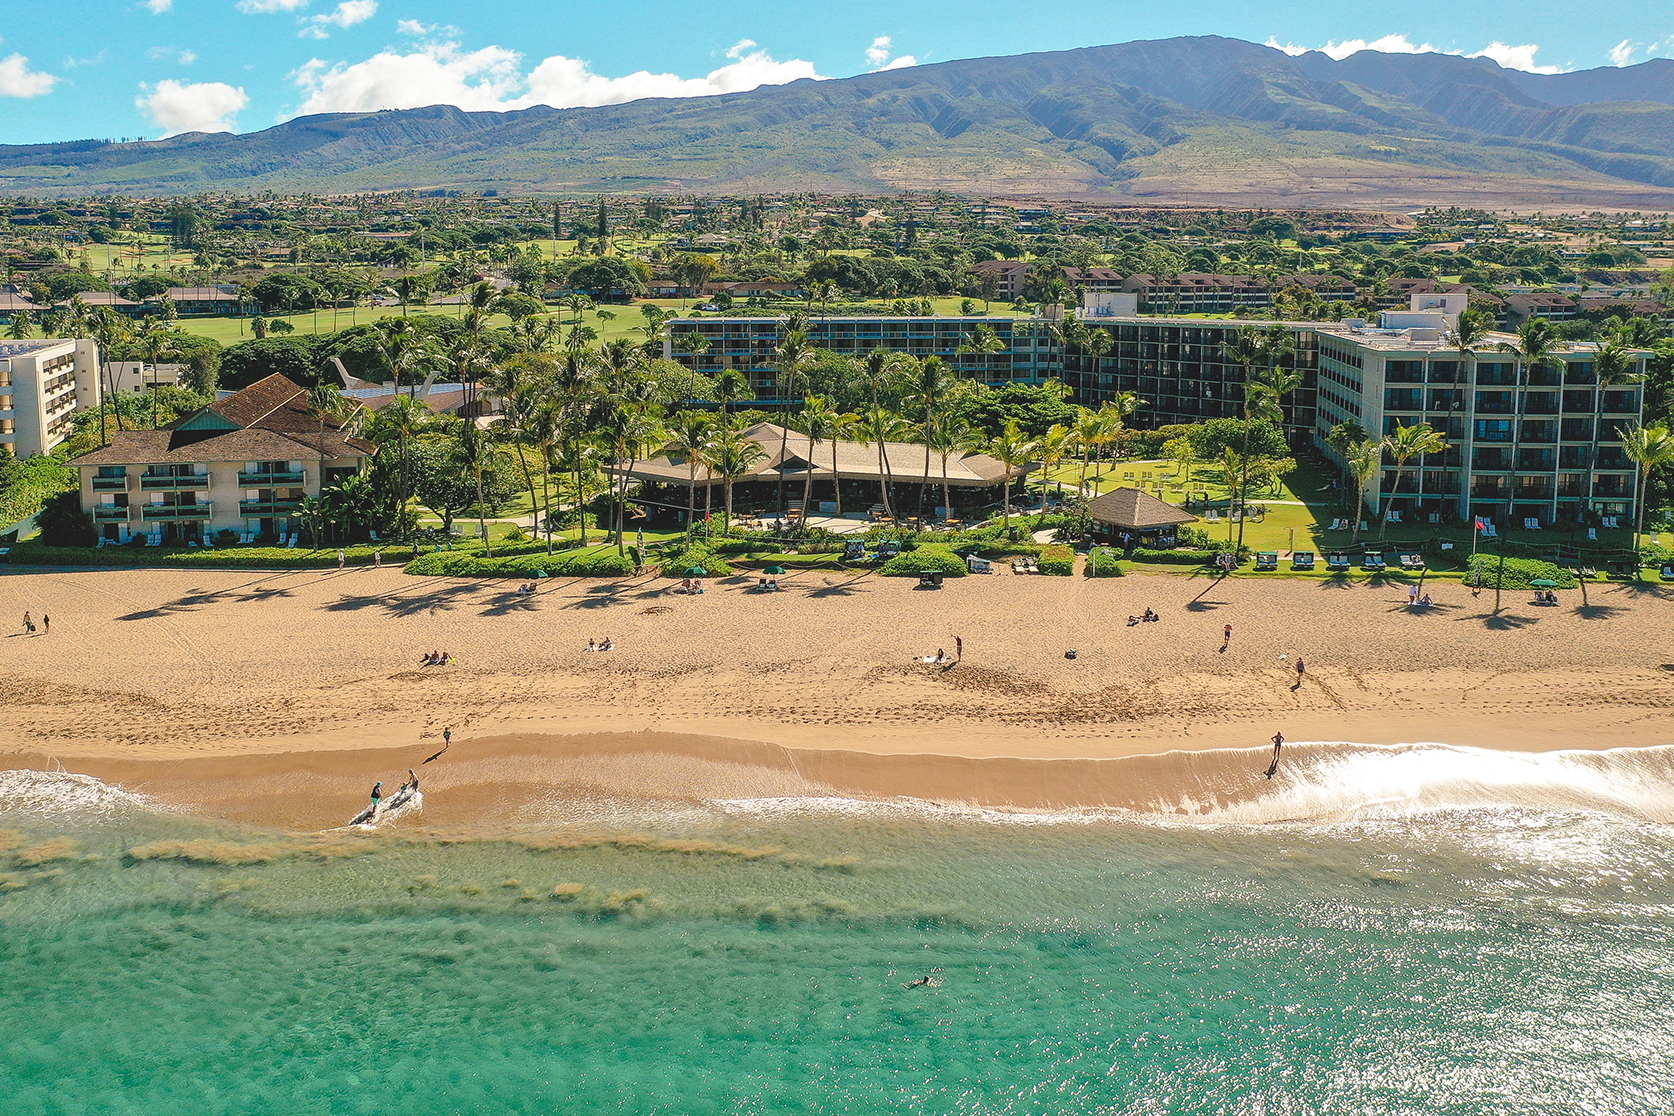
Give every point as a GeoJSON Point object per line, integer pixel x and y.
{"type": "Point", "coordinates": [676, 564]}
{"type": "Point", "coordinates": [599, 562]}
{"type": "Point", "coordinates": [929, 558]}
{"type": "Point", "coordinates": [1175, 557]}
{"type": "Point", "coordinates": [1517, 573]}
{"type": "Point", "coordinates": [64, 523]}
{"type": "Point", "coordinates": [1057, 561]}
{"type": "Point", "coordinates": [1104, 562]}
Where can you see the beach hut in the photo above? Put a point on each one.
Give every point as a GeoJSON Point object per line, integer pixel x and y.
{"type": "Point", "coordinates": [1128, 518]}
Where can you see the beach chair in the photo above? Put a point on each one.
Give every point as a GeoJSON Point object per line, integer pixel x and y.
{"type": "Point", "coordinates": [979, 565]}
{"type": "Point", "coordinates": [1211, 516]}
{"type": "Point", "coordinates": [1610, 522]}
{"type": "Point", "coordinates": [1411, 562]}
{"type": "Point", "coordinates": [1489, 531]}
{"type": "Point", "coordinates": [1302, 560]}
{"type": "Point", "coordinates": [102, 542]}
{"type": "Point", "coordinates": [1338, 563]}
{"type": "Point", "coordinates": [1592, 534]}
{"type": "Point", "coordinates": [1374, 563]}
{"type": "Point", "coordinates": [854, 551]}
{"type": "Point", "coordinates": [292, 544]}
{"type": "Point", "coordinates": [1393, 516]}
{"type": "Point", "coordinates": [1266, 561]}
{"type": "Point", "coordinates": [1531, 524]}
{"type": "Point", "coordinates": [1336, 525]}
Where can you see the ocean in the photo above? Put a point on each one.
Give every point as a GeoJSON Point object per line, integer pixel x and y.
{"type": "Point", "coordinates": [1386, 930]}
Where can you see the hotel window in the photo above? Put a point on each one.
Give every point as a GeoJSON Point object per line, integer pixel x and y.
{"type": "Point", "coordinates": [1493, 430]}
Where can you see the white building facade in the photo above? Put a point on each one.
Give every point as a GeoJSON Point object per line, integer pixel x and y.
{"type": "Point", "coordinates": [42, 386]}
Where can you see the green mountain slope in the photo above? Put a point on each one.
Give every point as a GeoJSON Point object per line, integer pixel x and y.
{"type": "Point", "coordinates": [1192, 120]}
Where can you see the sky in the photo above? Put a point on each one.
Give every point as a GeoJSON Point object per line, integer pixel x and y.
{"type": "Point", "coordinates": [106, 69]}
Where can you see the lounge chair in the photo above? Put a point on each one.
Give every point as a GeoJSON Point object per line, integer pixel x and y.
{"type": "Point", "coordinates": [1212, 516]}
{"type": "Point", "coordinates": [1302, 560]}
{"type": "Point", "coordinates": [1266, 560]}
{"type": "Point", "coordinates": [102, 542]}
{"type": "Point", "coordinates": [1338, 562]}
{"type": "Point", "coordinates": [1610, 522]}
{"type": "Point", "coordinates": [1412, 562]}
{"type": "Point", "coordinates": [979, 565]}
{"type": "Point", "coordinates": [292, 544]}
{"type": "Point", "coordinates": [1531, 524]}
{"type": "Point", "coordinates": [1393, 516]}
{"type": "Point", "coordinates": [1373, 562]}
{"type": "Point", "coordinates": [1336, 525]}
{"type": "Point", "coordinates": [1592, 534]}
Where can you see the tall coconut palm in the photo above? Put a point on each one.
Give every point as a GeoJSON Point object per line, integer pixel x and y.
{"type": "Point", "coordinates": [1015, 449]}
{"type": "Point", "coordinates": [1251, 348]}
{"type": "Point", "coordinates": [791, 356]}
{"type": "Point", "coordinates": [731, 454]}
{"type": "Point", "coordinates": [1365, 462]}
{"type": "Point", "coordinates": [1648, 447]}
{"type": "Point", "coordinates": [821, 422]}
{"type": "Point", "coordinates": [110, 329]}
{"type": "Point", "coordinates": [1465, 337]}
{"type": "Point", "coordinates": [1612, 365]}
{"type": "Point", "coordinates": [982, 343]}
{"type": "Point", "coordinates": [880, 426]}
{"type": "Point", "coordinates": [1050, 449]}
{"type": "Point", "coordinates": [731, 386]}
{"type": "Point", "coordinates": [1406, 443]}
{"type": "Point", "coordinates": [950, 433]}
{"type": "Point", "coordinates": [1536, 345]}
{"type": "Point", "coordinates": [927, 392]}
{"type": "Point", "coordinates": [23, 325]}
{"type": "Point", "coordinates": [691, 432]}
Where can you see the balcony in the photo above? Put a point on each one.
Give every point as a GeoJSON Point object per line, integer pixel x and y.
{"type": "Point", "coordinates": [175, 511]}
{"type": "Point", "coordinates": [268, 507]}
{"type": "Point", "coordinates": [161, 484]}
{"type": "Point", "coordinates": [110, 484]}
{"type": "Point", "coordinates": [269, 480]}
{"type": "Point", "coordinates": [108, 513]}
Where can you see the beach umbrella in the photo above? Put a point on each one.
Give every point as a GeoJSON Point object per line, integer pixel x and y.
{"type": "Point", "coordinates": [696, 571]}
{"type": "Point", "coordinates": [1543, 583]}
{"type": "Point", "coordinates": [776, 571]}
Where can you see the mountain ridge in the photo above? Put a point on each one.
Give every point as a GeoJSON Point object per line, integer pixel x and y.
{"type": "Point", "coordinates": [1195, 120]}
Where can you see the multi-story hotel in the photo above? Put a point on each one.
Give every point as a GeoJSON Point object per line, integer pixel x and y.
{"type": "Point", "coordinates": [243, 464]}
{"type": "Point", "coordinates": [1030, 353]}
{"type": "Point", "coordinates": [42, 385]}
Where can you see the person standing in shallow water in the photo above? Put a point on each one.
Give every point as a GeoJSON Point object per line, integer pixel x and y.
{"type": "Point", "coordinates": [1278, 743]}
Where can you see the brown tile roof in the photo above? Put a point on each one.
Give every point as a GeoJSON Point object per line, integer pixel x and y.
{"type": "Point", "coordinates": [1133, 510]}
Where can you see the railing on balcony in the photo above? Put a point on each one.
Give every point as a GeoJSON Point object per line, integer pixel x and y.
{"type": "Point", "coordinates": [176, 511]}
{"type": "Point", "coordinates": [268, 480]}
{"type": "Point", "coordinates": [157, 483]}
{"type": "Point", "coordinates": [268, 507]}
{"type": "Point", "coordinates": [110, 484]}
{"type": "Point", "coordinates": [111, 511]}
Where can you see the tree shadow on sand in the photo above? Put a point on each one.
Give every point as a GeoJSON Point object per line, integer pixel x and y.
{"type": "Point", "coordinates": [1502, 621]}
{"type": "Point", "coordinates": [841, 589]}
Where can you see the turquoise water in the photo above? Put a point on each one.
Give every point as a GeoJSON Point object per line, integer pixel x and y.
{"type": "Point", "coordinates": [750, 958]}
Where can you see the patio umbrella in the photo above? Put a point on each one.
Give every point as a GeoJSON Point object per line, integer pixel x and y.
{"type": "Point", "coordinates": [696, 571]}
{"type": "Point", "coordinates": [1543, 583]}
{"type": "Point", "coordinates": [774, 570]}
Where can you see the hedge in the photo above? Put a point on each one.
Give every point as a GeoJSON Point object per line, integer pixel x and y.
{"type": "Point", "coordinates": [929, 558]}
{"type": "Point", "coordinates": [1057, 560]}
{"type": "Point", "coordinates": [1518, 573]}
{"type": "Point", "coordinates": [33, 553]}
{"type": "Point", "coordinates": [600, 562]}
{"type": "Point", "coordinates": [1104, 562]}
{"type": "Point", "coordinates": [677, 563]}
{"type": "Point", "coordinates": [1176, 557]}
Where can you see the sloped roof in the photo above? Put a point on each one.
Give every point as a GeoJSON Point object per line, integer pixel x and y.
{"type": "Point", "coordinates": [854, 461]}
{"type": "Point", "coordinates": [269, 420]}
{"type": "Point", "coordinates": [1133, 510]}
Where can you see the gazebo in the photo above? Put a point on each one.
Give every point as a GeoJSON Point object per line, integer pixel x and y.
{"type": "Point", "coordinates": [1128, 518]}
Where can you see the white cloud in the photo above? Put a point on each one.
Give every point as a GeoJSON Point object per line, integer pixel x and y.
{"type": "Point", "coordinates": [187, 58]}
{"type": "Point", "coordinates": [347, 14]}
{"type": "Point", "coordinates": [1516, 57]}
{"type": "Point", "coordinates": [1511, 57]}
{"type": "Point", "coordinates": [202, 107]}
{"type": "Point", "coordinates": [267, 7]}
{"type": "Point", "coordinates": [158, 7]}
{"type": "Point", "coordinates": [878, 55]}
{"type": "Point", "coordinates": [1622, 53]}
{"type": "Point", "coordinates": [492, 79]}
{"type": "Point", "coordinates": [18, 80]}
{"type": "Point", "coordinates": [411, 27]}
{"type": "Point", "coordinates": [171, 54]}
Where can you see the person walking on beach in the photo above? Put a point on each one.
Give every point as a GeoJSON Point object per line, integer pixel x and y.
{"type": "Point", "coordinates": [28, 624]}
{"type": "Point", "coordinates": [1301, 669]}
{"type": "Point", "coordinates": [1226, 638]}
{"type": "Point", "coordinates": [377, 794]}
{"type": "Point", "coordinates": [1278, 743]}
{"type": "Point", "coordinates": [46, 624]}
{"type": "Point", "coordinates": [340, 557]}
{"type": "Point", "coordinates": [958, 649]}
{"type": "Point", "coordinates": [377, 559]}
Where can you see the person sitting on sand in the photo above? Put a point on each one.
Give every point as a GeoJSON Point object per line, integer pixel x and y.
{"type": "Point", "coordinates": [430, 659]}
{"type": "Point", "coordinates": [1424, 601]}
{"type": "Point", "coordinates": [686, 586]}
{"type": "Point", "coordinates": [697, 586]}
{"type": "Point", "coordinates": [1151, 617]}
{"type": "Point", "coordinates": [592, 645]}
{"type": "Point", "coordinates": [445, 659]}
{"type": "Point", "coordinates": [1132, 619]}
{"type": "Point", "coordinates": [607, 645]}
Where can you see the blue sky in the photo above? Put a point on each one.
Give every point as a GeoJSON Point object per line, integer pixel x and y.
{"type": "Point", "coordinates": [109, 68]}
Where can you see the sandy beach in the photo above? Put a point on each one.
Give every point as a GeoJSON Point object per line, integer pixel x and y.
{"type": "Point", "coordinates": [208, 686]}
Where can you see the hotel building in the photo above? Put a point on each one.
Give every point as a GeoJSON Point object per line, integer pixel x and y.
{"type": "Point", "coordinates": [42, 386]}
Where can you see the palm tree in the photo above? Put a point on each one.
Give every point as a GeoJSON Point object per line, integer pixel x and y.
{"type": "Point", "coordinates": [1471, 330]}
{"type": "Point", "coordinates": [821, 422]}
{"type": "Point", "coordinates": [1537, 341]}
{"type": "Point", "coordinates": [791, 356]}
{"type": "Point", "coordinates": [949, 433]}
{"type": "Point", "coordinates": [156, 341]}
{"type": "Point", "coordinates": [1611, 365]}
{"type": "Point", "coordinates": [1647, 447]}
{"type": "Point", "coordinates": [1249, 348]}
{"type": "Point", "coordinates": [731, 386]}
{"type": "Point", "coordinates": [1015, 450]}
{"type": "Point", "coordinates": [1404, 444]}
{"type": "Point", "coordinates": [23, 324]}
{"type": "Point", "coordinates": [1365, 461]}
{"type": "Point", "coordinates": [982, 342]}
{"type": "Point", "coordinates": [110, 329]}
{"type": "Point", "coordinates": [691, 431]}
{"type": "Point", "coordinates": [881, 426]}
{"type": "Point", "coordinates": [1051, 448]}
{"type": "Point", "coordinates": [927, 393]}
{"type": "Point", "coordinates": [731, 454]}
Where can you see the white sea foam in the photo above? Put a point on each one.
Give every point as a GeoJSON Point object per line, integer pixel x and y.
{"type": "Point", "coordinates": [64, 794]}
